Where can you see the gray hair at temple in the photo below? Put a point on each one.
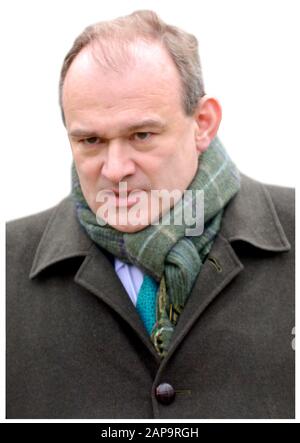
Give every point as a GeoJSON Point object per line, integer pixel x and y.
{"type": "Point", "coordinates": [110, 40]}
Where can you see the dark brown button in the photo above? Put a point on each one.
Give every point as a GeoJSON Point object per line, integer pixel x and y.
{"type": "Point", "coordinates": [165, 393]}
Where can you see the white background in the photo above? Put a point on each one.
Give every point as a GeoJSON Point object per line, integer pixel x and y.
{"type": "Point", "coordinates": [250, 58]}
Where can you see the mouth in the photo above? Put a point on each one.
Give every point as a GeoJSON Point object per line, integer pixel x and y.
{"type": "Point", "coordinates": [125, 199]}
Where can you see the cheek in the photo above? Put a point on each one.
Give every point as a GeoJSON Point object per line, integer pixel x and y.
{"type": "Point", "coordinates": [88, 169]}
{"type": "Point", "coordinates": [180, 169]}
{"type": "Point", "coordinates": [88, 172]}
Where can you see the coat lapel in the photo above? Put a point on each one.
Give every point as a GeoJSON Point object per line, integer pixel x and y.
{"type": "Point", "coordinates": [63, 239]}
{"type": "Point", "coordinates": [97, 275]}
{"type": "Point", "coordinates": [219, 269]}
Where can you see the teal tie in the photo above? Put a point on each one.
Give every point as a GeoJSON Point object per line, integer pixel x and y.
{"type": "Point", "coordinates": [146, 302]}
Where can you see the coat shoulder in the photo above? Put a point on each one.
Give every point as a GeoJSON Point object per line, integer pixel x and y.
{"type": "Point", "coordinates": [282, 201]}
{"type": "Point", "coordinates": [23, 234]}
{"type": "Point", "coordinates": [283, 197]}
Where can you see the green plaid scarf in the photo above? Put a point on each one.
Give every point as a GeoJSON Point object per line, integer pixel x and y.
{"type": "Point", "coordinates": [165, 252]}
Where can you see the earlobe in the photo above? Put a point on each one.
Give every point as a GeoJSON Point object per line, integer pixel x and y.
{"type": "Point", "coordinates": [198, 142]}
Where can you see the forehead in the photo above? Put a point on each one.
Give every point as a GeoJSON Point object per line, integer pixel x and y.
{"type": "Point", "coordinates": [148, 83]}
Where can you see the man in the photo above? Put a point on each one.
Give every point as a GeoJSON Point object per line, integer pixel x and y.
{"type": "Point", "coordinates": [117, 310]}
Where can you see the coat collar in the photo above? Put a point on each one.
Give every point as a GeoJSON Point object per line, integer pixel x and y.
{"type": "Point", "coordinates": [250, 217]}
{"type": "Point", "coordinates": [63, 238]}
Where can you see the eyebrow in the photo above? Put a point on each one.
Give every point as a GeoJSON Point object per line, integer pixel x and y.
{"type": "Point", "coordinates": [134, 127]}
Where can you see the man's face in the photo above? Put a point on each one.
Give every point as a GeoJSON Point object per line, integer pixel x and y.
{"type": "Point", "coordinates": [129, 127]}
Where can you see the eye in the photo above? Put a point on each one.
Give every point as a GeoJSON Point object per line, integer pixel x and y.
{"type": "Point", "coordinates": [142, 136]}
{"type": "Point", "coordinates": [92, 141]}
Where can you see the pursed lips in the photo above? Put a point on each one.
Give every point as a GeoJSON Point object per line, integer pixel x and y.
{"type": "Point", "coordinates": [124, 198]}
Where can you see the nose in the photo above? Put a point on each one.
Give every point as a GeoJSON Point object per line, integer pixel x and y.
{"type": "Point", "coordinates": [117, 164]}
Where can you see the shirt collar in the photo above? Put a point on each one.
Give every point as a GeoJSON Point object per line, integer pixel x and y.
{"type": "Point", "coordinates": [118, 264]}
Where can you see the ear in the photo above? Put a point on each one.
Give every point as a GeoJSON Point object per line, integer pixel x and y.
{"type": "Point", "coordinates": [208, 117]}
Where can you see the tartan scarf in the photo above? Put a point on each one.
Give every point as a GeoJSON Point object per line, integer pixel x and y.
{"type": "Point", "coordinates": [165, 252]}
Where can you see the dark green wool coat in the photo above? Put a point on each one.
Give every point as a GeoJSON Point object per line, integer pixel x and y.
{"type": "Point", "coordinates": [76, 347]}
